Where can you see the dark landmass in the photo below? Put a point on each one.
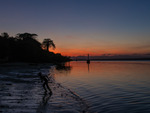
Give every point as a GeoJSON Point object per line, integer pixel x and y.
{"type": "Point", "coordinates": [140, 59]}
{"type": "Point", "coordinates": [26, 48]}
{"type": "Point", "coordinates": [114, 57]}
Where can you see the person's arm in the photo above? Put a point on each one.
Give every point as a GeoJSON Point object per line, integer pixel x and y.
{"type": "Point", "coordinates": [47, 77]}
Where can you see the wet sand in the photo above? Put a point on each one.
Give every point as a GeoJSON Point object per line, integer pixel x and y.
{"type": "Point", "coordinates": [21, 92]}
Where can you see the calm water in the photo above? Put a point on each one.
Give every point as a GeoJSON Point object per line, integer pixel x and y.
{"type": "Point", "coordinates": [109, 87]}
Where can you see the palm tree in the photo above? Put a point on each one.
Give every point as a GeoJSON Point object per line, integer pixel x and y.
{"type": "Point", "coordinates": [23, 36]}
{"type": "Point", "coordinates": [48, 43]}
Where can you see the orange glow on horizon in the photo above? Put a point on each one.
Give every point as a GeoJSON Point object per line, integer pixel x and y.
{"type": "Point", "coordinates": [81, 52]}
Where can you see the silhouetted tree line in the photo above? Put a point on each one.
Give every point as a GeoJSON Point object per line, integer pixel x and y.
{"type": "Point", "coordinates": [24, 47]}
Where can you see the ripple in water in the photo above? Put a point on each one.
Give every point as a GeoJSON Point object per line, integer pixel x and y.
{"type": "Point", "coordinates": [110, 87]}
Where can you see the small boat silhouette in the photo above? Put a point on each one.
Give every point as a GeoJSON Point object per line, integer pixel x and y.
{"type": "Point", "coordinates": [88, 60]}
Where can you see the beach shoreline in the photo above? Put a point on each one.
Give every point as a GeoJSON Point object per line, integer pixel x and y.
{"type": "Point", "coordinates": [22, 91]}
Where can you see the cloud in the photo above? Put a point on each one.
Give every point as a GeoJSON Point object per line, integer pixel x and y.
{"type": "Point", "coordinates": [142, 47]}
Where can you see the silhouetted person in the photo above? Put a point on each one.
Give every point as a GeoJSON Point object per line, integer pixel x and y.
{"type": "Point", "coordinates": [45, 79]}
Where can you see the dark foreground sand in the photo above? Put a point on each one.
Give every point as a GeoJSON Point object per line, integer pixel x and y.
{"type": "Point", "coordinates": [21, 92]}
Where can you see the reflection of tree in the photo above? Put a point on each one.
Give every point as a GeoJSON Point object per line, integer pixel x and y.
{"type": "Point", "coordinates": [63, 67]}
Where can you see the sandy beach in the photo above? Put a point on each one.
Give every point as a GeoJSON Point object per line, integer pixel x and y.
{"type": "Point", "coordinates": [21, 92]}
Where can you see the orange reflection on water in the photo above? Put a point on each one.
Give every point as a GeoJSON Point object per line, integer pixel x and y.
{"type": "Point", "coordinates": [114, 70]}
{"type": "Point", "coordinates": [108, 81]}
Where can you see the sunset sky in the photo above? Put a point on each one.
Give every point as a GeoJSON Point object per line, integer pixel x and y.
{"type": "Point", "coordinates": [79, 27]}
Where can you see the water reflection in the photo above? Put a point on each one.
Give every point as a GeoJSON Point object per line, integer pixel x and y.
{"type": "Point", "coordinates": [45, 98]}
{"type": "Point", "coordinates": [109, 86]}
{"type": "Point", "coordinates": [64, 67]}
{"type": "Point", "coordinates": [68, 66]}
{"type": "Point", "coordinates": [88, 67]}
{"type": "Point", "coordinates": [44, 103]}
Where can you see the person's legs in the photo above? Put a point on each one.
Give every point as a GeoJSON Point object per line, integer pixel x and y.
{"type": "Point", "coordinates": [48, 87]}
{"type": "Point", "coordinates": [44, 86]}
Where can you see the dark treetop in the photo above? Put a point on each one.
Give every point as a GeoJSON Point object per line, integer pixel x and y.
{"type": "Point", "coordinates": [25, 48]}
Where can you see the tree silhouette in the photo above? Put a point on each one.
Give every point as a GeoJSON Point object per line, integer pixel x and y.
{"type": "Point", "coordinates": [48, 43]}
{"type": "Point", "coordinates": [25, 48]}
{"type": "Point", "coordinates": [4, 45]}
{"type": "Point", "coordinates": [5, 35]}
{"type": "Point", "coordinates": [24, 36]}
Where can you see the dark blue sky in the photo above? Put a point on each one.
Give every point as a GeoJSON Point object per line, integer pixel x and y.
{"type": "Point", "coordinates": [76, 25]}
